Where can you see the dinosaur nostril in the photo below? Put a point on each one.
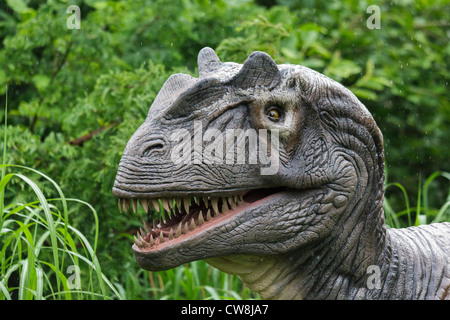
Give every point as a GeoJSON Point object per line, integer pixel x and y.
{"type": "Point", "coordinates": [151, 148]}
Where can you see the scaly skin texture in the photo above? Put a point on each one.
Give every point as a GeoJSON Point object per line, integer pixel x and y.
{"type": "Point", "coordinates": [312, 229]}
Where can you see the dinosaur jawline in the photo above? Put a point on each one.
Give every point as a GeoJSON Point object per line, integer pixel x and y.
{"type": "Point", "coordinates": [184, 217]}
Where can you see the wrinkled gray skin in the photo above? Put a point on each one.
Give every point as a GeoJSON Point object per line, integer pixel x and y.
{"type": "Point", "coordinates": [323, 236]}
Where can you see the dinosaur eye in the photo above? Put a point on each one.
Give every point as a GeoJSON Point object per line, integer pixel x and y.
{"type": "Point", "coordinates": [273, 114]}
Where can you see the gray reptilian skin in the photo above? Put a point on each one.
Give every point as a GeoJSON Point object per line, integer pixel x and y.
{"type": "Point", "coordinates": [312, 228]}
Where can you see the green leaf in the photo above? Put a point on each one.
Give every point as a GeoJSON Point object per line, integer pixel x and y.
{"type": "Point", "coordinates": [41, 82]}
{"type": "Point", "coordinates": [364, 93]}
{"type": "Point", "coordinates": [18, 6]}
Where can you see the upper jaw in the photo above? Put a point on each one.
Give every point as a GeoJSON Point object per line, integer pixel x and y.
{"type": "Point", "coordinates": [120, 192]}
{"type": "Point", "coordinates": [157, 177]}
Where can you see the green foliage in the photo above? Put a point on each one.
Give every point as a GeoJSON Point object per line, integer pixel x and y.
{"type": "Point", "coordinates": [423, 212]}
{"type": "Point", "coordinates": [77, 96]}
{"type": "Point", "coordinates": [40, 248]}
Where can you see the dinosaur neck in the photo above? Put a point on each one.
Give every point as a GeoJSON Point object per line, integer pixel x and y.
{"type": "Point", "coordinates": [362, 260]}
{"type": "Point", "coordinates": [335, 268]}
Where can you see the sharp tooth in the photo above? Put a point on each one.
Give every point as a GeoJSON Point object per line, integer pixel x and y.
{"type": "Point", "coordinates": [205, 200]}
{"type": "Point", "coordinates": [120, 205]}
{"type": "Point", "coordinates": [200, 219]}
{"type": "Point", "coordinates": [155, 223]}
{"type": "Point", "coordinates": [186, 228]}
{"type": "Point", "coordinates": [155, 204]}
{"type": "Point", "coordinates": [236, 199]}
{"type": "Point", "coordinates": [214, 205]}
{"type": "Point", "coordinates": [161, 237]}
{"type": "Point", "coordinates": [126, 205]}
{"type": "Point", "coordinates": [146, 226]}
{"type": "Point", "coordinates": [208, 215]}
{"type": "Point", "coordinates": [142, 232]}
{"type": "Point", "coordinates": [241, 197]}
{"type": "Point", "coordinates": [144, 243]}
{"type": "Point", "coordinates": [152, 241]}
{"type": "Point", "coordinates": [224, 207]}
{"type": "Point", "coordinates": [178, 233]}
{"type": "Point", "coordinates": [144, 204]}
{"type": "Point", "coordinates": [137, 242]}
{"type": "Point", "coordinates": [134, 202]}
{"type": "Point", "coordinates": [186, 204]}
{"type": "Point", "coordinates": [196, 200]}
{"type": "Point", "coordinates": [193, 225]}
{"type": "Point", "coordinates": [165, 204]}
{"type": "Point", "coordinates": [231, 203]}
{"type": "Point", "coordinates": [171, 234]}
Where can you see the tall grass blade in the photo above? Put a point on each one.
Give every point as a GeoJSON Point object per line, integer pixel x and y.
{"type": "Point", "coordinates": [39, 282]}
{"type": "Point", "coordinates": [5, 292]}
{"type": "Point", "coordinates": [2, 193]}
{"type": "Point", "coordinates": [440, 215]}
{"type": "Point", "coordinates": [405, 196]}
{"type": "Point", "coordinates": [49, 218]}
{"type": "Point", "coordinates": [420, 218]}
{"type": "Point", "coordinates": [430, 179]}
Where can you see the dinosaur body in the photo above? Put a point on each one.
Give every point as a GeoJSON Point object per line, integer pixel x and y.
{"type": "Point", "coordinates": [306, 221]}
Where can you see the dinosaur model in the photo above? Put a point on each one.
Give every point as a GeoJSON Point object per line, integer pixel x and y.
{"type": "Point", "coordinates": [309, 227]}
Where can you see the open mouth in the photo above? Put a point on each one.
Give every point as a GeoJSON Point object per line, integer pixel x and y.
{"type": "Point", "coordinates": [181, 217]}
